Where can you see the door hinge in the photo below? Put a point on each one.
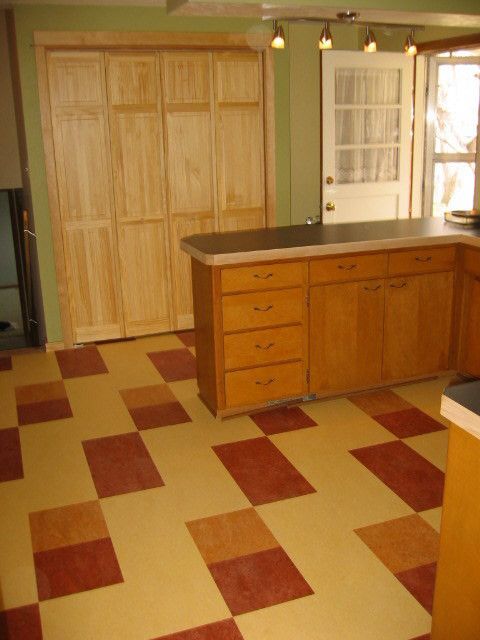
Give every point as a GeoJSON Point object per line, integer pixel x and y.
{"type": "Point", "coordinates": [308, 375]}
{"type": "Point", "coordinates": [307, 299]}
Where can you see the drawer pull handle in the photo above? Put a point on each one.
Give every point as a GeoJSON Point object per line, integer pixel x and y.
{"type": "Point", "coordinates": [266, 347]}
{"type": "Point", "coordinates": [347, 267]}
{"type": "Point", "coordinates": [373, 288]}
{"type": "Point", "coordinates": [270, 306]}
{"type": "Point", "coordinates": [398, 286]}
{"type": "Point", "coordinates": [420, 259]}
{"type": "Point", "coordinates": [265, 384]}
{"type": "Point", "coordinates": [257, 275]}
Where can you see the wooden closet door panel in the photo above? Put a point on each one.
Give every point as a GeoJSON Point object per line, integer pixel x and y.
{"type": "Point", "coordinates": [82, 158]}
{"type": "Point", "coordinates": [189, 157]}
{"type": "Point", "coordinates": [139, 185]}
{"type": "Point", "coordinates": [142, 266]}
{"type": "Point", "coordinates": [239, 140]}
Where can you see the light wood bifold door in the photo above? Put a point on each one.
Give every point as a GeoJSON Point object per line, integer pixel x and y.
{"type": "Point", "coordinates": [150, 147]}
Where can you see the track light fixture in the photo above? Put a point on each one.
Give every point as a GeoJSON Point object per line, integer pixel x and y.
{"type": "Point", "coordinates": [369, 44]}
{"type": "Point", "coordinates": [325, 41]}
{"type": "Point", "coordinates": [410, 47]}
{"type": "Point", "coordinates": [278, 39]}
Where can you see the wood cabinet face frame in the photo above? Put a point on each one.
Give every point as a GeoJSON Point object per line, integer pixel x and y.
{"type": "Point", "coordinates": [45, 41]}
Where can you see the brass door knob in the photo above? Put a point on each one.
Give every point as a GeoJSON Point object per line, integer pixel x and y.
{"type": "Point", "coordinates": [330, 206]}
{"type": "Point", "coordinates": [330, 180]}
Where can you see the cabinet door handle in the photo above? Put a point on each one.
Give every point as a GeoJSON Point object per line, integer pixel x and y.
{"type": "Point", "coordinates": [265, 384]}
{"type": "Point", "coordinates": [420, 259]}
{"type": "Point", "coordinates": [347, 267]}
{"type": "Point", "coordinates": [398, 286]}
{"type": "Point", "coordinates": [270, 306]}
{"type": "Point", "coordinates": [260, 277]}
{"type": "Point", "coordinates": [266, 347]}
{"type": "Point", "coordinates": [373, 288]}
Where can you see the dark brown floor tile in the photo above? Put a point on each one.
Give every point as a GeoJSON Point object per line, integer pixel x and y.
{"type": "Point", "coordinates": [121, 464]}
{"type": "Point", "coordinates": [44, 411]}
{"type": "Point", "coordinates": [230, 535]}
{"type": "Point", "coordinates": [76, 568]}
{"type": "Point", "coordinates": [174, 364]}
{"type": "Point", "coordinates": [282, 419]}
{"type": "Point", "coordinates": [11, 467]}
{"type": "Point", "coordinates": [160, 415]}
{"type": "Point", "coordinates": [416, 480]}
{"type": "Point", "coordinates": [409, 422]}
{"type": "Point", "coordinates": [421, 583]}
{"type": "Point", "coordinates": [187, 337]}
{"type": "Point", "coordinates": [223, 630]}
{"type": "Point", "coordinates": [84, 361]}
{"type": "Point", "coordinates": [263, 473]}
{"type": "Point", "coordinates": [65, 526]}
{"type": "Point", "coordinates": [376, 403]}
{"type": "Point", "coordinates": [403, 543]}
{"type": "Point", "coordinates": [5, 363]}
{"type": "Point", "coordinates": [21, 623]}
{"type": "Point", "coordinates": [259, 580]}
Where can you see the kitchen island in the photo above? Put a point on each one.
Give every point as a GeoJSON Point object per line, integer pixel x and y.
{"type": "Point", "coordinates": [302, 312]}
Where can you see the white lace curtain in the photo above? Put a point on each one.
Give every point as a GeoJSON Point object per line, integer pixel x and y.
{"type": "Point", "coordinates": [367, 113]}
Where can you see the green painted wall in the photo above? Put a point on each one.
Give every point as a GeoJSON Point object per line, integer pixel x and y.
{"type": "Point", "coordinates": [30, 18]}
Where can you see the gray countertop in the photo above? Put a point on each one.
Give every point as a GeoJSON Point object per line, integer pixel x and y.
{"type": "Point", "coordinates": [461, 405]}
{"type": "Point", "coordinates": [308, 240]}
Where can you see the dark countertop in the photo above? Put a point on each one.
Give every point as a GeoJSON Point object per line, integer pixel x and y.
{"type": "Point", "coordinates": [466, 395]}
{"type": "Point", "coordinates": [461, 405]}
{"type": "Point", "coordinates": [307, 240]}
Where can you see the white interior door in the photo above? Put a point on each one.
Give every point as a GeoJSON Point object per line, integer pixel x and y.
{"type": "Point", "coordinates": [366, 132]}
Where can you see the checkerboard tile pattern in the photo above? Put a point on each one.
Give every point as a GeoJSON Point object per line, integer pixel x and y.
{"type": "Point", "coordinates": [173, 525]}
{"type": "Point", "coordinates": [72, 550]}
{"type": "Point", "coordinates": [248, 565]}
{"type": "Point", "coordinates": [154, 406]}
{"type": "Point", "coordinates": [42, 402]}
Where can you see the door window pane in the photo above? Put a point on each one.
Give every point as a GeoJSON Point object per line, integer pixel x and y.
{"type": "Point", "coordinates": [366, 165]}
{"type": "Point", "coordinates": [367, 126]}
{"type": "Point", "coordinates": [367, 86]}
{"type": "Point", "coordinates": [454, 185]}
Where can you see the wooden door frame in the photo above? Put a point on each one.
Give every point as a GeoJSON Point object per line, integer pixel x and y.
{"type": "Point", "coordinates": [45, 41]}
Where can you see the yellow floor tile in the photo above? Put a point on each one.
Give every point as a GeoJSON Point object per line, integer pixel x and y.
{"type": "Point", "coordinates": [433, 517]}
{"type": "Point", "coordinates": [432, 446]}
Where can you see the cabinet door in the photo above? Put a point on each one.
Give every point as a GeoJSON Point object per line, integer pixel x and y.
{"type": "Point", "coordinates": [137, 153]}
{"type": "Point", "coordinates": [346, 332]}
{"type": "Point", "coordinates": [191, 198]}
{"type": "Point", "coordinates": [83, 168]}
{"type": "Point", "coordinates": [470, 335]}
{"type": "Point", "coordinates": [418, 321]}
{"type": "Point", "coordinates": [239, 140]}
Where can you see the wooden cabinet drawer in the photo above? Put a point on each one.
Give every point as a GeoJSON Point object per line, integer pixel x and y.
{"type": "Point", "coordinates": [255, 386]}
{"type": "Point", "coordinates": [421, 260]}
{"type": "Point", "coordinates": [262, 276]}
{"type": "Point", "coordinates": [262, 309]}
{"type": "Point", "coordinates": [254, 348]}
{"type": "Point", "coordinates": [345, 268]}
{"type": "Point", "coordinates": [471, 261]}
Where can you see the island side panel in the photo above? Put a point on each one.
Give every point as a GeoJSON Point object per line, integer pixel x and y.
{"type": "Point", "coordinates": [208, 333]}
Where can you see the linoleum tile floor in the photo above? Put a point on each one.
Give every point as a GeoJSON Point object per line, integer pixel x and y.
{"type": "Point", "coordinates": [128, 512]}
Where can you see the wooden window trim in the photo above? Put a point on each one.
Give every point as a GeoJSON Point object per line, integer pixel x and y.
{"type": "Point", "coordinates": [138, 40]}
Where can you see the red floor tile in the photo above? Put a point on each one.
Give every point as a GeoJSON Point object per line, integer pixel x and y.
{"type": "Point", "coordinates": [416, 480]}
{"type": "Point", "coordinates": [421, 583]}
{"type": "Point", "coordinates": [5, 363]}
{"type": "Point", "coordinates": [187, 337]}
{"type": "Point", "coordinates": [175, 364]}
{"type": "Point", "coordinates": [11, 467]}
{"type": "Point", "coordinates": [160, 415]}
{"type": "Point", "coordinates": [425, 637]}
{"type": "Point", "coordinates": [83, 361]}
{"type": "Point", "coordinates": [76, 568]}
{"type": "Point", "coordinates": [409, 422]}
{"type": "Point", "coordinates": [44, 411]}
{"type": "Point", "coordinates": [223, 630]}
{"type": "Point", "coordinates": [263, 473]}
{"type": "Point", "coordinates": [259, 580]}
{"type": "Point", "coordinates": [282, 419]}
{"type": "Point", "coordinates": [121, 464]}
{"type": "Point", "coordinates": [21, 623]}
